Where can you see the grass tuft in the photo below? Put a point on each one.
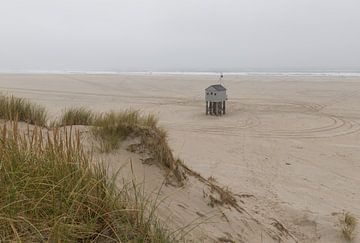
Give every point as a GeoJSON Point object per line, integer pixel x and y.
{"type": "Point", "coordinates": [13, 108]}
{"type": "Point", "coordinates": [348, 223]}
{"type": "Point", "coordinates": [51, 191]}
{"type": "Point", "coordinates": [76, 116]}
{"type": "Point", "coordinates": [112, 128]}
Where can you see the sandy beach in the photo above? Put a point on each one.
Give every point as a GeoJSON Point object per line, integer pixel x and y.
{"type": "Point", "coordinates": [289, 146]}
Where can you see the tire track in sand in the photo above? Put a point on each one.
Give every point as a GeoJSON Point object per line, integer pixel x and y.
{"type": "Point", "coordinates": [253, 124]}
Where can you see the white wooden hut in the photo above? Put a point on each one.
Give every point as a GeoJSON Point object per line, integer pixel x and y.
{"type": "Point", "coordinates": [215, 97]}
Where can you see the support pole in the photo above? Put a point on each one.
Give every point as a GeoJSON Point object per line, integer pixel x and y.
{"type": "Point", "coordinates": [207, 108]}
{"type": "Point", "coordinates": [220, 108]}
{"type": "Point", "coordinates": [224, 109]}
{"type": "Point", "coordinates": [210, 108]}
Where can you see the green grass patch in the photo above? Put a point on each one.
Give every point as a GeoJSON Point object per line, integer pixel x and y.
{"type": "Point", "coordinates": [51, 191]}
{"type": "Point", "coordinates": [76, 116]}
{"type": "Point", "coordinates": [13, 108]}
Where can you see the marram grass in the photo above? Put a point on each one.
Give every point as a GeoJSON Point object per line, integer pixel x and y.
{"type": "Point", "coordinates": [50, 191]}
{"type": "Point", "coordinates": [113, 127]}
{"type": "Point", "coordinates": [76, 116]}
{"type": "Point", "coordinates": [13, 108]}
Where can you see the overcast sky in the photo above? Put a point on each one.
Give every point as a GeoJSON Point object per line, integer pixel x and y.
{"type": "Point", "coordinates": [179, 35]}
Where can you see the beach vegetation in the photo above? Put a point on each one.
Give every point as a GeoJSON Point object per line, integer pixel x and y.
{"type": "Point", "coordinates": [13, 108]}
{"type": "Point", "coordinates": [113, 127]}
{"type": "Point", "coordinates": [348, 224]}
{"type": "Point", "coordinates": [76, 116]}
{"type": "Point", "coordinates": [51, 190]}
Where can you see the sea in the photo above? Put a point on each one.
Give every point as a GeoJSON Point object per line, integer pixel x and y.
{"type": "Point", "coordinates": [215, 73]}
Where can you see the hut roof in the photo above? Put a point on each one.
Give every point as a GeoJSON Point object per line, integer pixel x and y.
{"type": "Point", "coordinates": [217, 87]}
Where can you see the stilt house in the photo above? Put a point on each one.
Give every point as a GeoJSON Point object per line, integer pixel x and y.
{"type": "Point", "coordinates": [215, 97]}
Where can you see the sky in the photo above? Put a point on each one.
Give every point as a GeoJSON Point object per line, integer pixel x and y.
{"type": "Point", "coordinates": [180, 35]}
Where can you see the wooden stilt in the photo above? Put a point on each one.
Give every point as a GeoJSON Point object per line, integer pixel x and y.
{"type": "Point", "coordinates": [216, 108]}
{"type": "Point", "coordinates": [221, 108]}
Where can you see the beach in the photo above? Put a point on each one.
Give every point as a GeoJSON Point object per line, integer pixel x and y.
{"type": "Point", "coordinates": [288, 145]}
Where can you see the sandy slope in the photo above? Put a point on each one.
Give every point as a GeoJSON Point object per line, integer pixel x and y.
{"type": "Point", "coordinates": [289, 146]}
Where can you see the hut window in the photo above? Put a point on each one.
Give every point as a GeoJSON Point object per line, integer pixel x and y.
{"type": "Point", "coordinates": [207, 93]}
{"type": "Point", "coordinates": [211, 93]}
{"type": "Point", "coordinates": [214, 93]}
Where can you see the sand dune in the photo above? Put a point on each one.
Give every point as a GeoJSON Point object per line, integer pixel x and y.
{"type": "Point", "coordinates": [288, 146]}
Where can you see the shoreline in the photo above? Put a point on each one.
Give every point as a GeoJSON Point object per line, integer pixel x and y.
{"type": "Point", "coordinates": [195, 73]}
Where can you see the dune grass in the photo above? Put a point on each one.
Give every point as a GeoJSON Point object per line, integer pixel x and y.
{"type": "Point", "coordinates": [348, 223]}
{"type": "Point", "coordinates": [13, 108]}
{"type": "Point", "coordinates": [49, 191]}
{"type": "Point", "coordinates": [76, 116]}
{"type": "Point", "coordinates": [113, 127]}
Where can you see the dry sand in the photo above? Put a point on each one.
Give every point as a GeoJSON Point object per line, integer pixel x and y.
{"type": "Point", "coordinates": [288, 147]}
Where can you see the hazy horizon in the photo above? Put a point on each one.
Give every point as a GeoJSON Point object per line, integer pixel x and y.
{"type": "Point", "coordinates": [178, 36]}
